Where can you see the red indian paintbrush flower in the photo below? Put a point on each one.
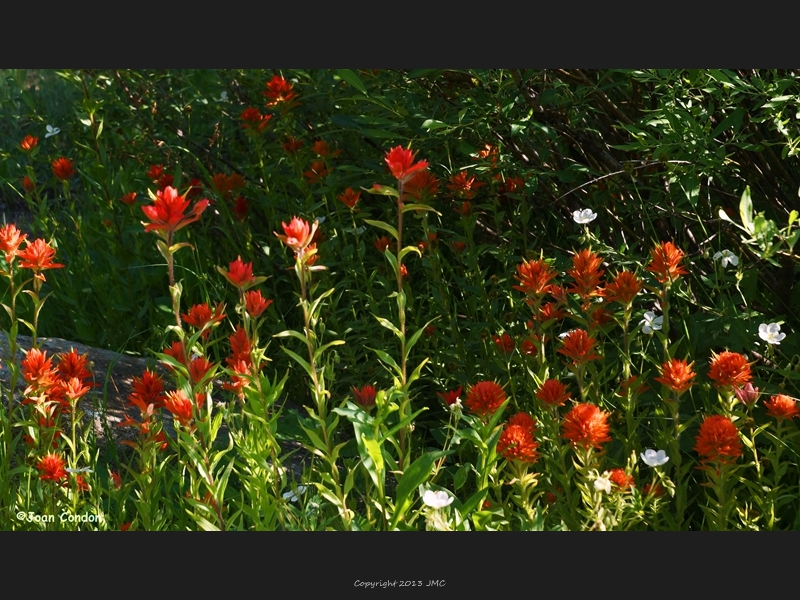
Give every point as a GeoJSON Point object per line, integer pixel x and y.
{"type": "Point", "coordinates": [255, 303]}
{"type": "Point", "coordinates": [298, 234]}
{"type": "Point", "coordinates": [63, 168]}
{"type": "Point", "coordinates": [349, 198]}
{"type": "Point", "coordinates": [147, 389]}
{"type": "Point", "coordinates": [665, 263]}
{"type": "Point", "coordinates": [423, 186]}
{"type": "Point", "coordinates": [10, 240]}
{"type": "Point", "coordinates": [535, 277]}
{"type": "Point", "coordinates": [677, 375]}
{"type": "Point", "coordinates": [400, 161]}
{"type": "Point", "coordinates": [463, 186]}
{"type": "Point", "coordinates": [129, 199]}
{"type": "Point", "coordinates": [240, 273]}
{"type": "Point", "coordinates": [729, 369]}
{"type": "Point", "coordinates": [318, 171]}
{"type": "Point", "coordinates": [200, 315]}
{"type": "Point", "coordinates": [38, 256]}
{"type": "Point", "coordinates": [179, 404]}
{"type": "Point", "coordinates": [624, 288]}
{"type": "Point", "coordinates": [718, 440]}
{"type": "Point", "coordinates": [621, 479]}
{"type": "Point", "coordinates": [29, 142]}
{"type": "Point", "coordinates": [485, 397]}
{"type": "Point", "coordinates": [553, 393]}
{"type": "Point", "coordinates": [365, 397]}
{"type": "Point", "coordinates": [52, 468]}
{"type": "Point", "coordinates": [278, 91]}
{"type": "Point", "coordinates": [505, 343]}
{"type": "Point", "coordinates": [168, 211]}
{"type": "Point", "coordinates": [579, 346]}
{"type": "Point", "coordinates": [451, 397]}
{"type": "Point", "coordinates": [38, 370]}
{"type": "Point", "coordinates": [782, 407]}
{"type": "Point", "coordinates": [587, 274]}
{"type": "Point", "coordinates": [587, 426]}
{"type": "Point", "coordinates": [253, 119]}
{"type": "Point", "coordinates": [27, 184]}
{"type": "Point", "coordinates": [72, 364]}
{"type": "Point", "coordinates": [517, 440]}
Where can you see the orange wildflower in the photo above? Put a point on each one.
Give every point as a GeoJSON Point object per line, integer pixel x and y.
{"type": "Point", "coordinates": [298, 234]}
{"type": "Point", "coordinates": [255, 303]}
{"type": "Point", "coordinates": [677, 375]}
{"type": "Point", "coordinates": [451, 397]}
{"type": "Point", "coordinates": [317, 172]}
{"type": "Point", "coordinates": [579, 346]}
{"type": "Point", "coordinates": [63, 168]}
{"type": "Point", "coordinates": [278, 91]}
{"type": "Point", "coordinates": [729, 369]}
{"type": "Point", "coordinates": [292, 145]}
{"type": "Point", "coordinates": [147, 389]}
{"type": "Point", "coordinates": [534, 277]}
{"type": "Point", "coordinates": [365, 397]}
{"type": "Point", "coordinates": [587, 274]}
{"type": "Point", "coordinates": [382, 243]}
{"type": "Point", "coordinates": [517, 441]}
{"type": "Point", "coordinates": [129, 199]}
{"type": "Point", "coordinates": [28, 143]}
{"type": "Point", "coordinates": [10, 240]}
{"type": "Point", "coordinates": [624, 288]}
{"type": "Point", "coordinates": [27, 184]}
{"type": "Point", "coordinates": [505, 343]}
{"type": "Point", "coordinates": [458, 247]}
{"type": "Point", "coordinates": [349, 198]}
{"type": "Point", "coordinates": [553, 393]}
{"type": "Point", "coordinates": [253, 119]}
{"type": "Point", "coordinates": [423, 186]}
{"type": "Point", "coordinates": [587, 426]}
{"type": "Point", "coordinates": [718, 440]}
{"type": "Point", "coordinates": [401, 163]}
{"type": "Point", "coordinates": [620, 479]}
{"type": "Point", "coordinates": [782, 407]}
{"type": "Point", "coordinates": [463, 186]}
{"type": "Point", "coordinates": [485, 397]}
{"type": "Point", "coordinates": [665, 263]}
{"type": "Point", "coordinates": [240, 274]}
{"type": "Point", "coordinates": [168, 211]}
{"type": "Point", "coordinates": [179, 404]}
{"type": "Point", "coordinates": [52, 468]}
{"type": "Point", "coordinates": [38, 256]}
{"type": "Point", "coordinates": [200, 315]}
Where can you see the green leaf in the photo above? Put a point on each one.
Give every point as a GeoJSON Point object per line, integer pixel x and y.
{"type": "Point", "coordinates": [746, 211]}
{"type": "Point", "coordinates": [353, 79]}
{"type": "Point", "coordinates": [300, 361]}
{"type": "Point", "coordinates": [390, 326]}
{"type": "Point", "coordinates": [433, 124]}
{"type": "Point", "coordinates": [382, 190]}
{"type": "Point", "coordinates": [412, 478]}
{"type": "Point", "coordinates": [420, 207]}
{"type": "Point", "coordinates": [388, 360]}
{"type": "Point", "coordinates": [292, 333]}
{"type": "Point", "coordinates": [381, 225]}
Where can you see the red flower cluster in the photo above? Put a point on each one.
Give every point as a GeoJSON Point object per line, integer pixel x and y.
{"type": "Point", "coordinates": [620, 479]}
{"type": "Point", "coordinates": [579, 346]}
{"type": "Point", "coordinates": [200, 316]}
{"type": "Point", "coordinates": [485, 397]}
{"type": "Point", "coordinates": [535, 278]}
{"type": "Point", "coordinates": [10, 240]}
{"type": "Point", "coordinates": [52, 468]}
{"type": "Point", "coordinates": [587, 274]}
{"type": "Point", "coordinates": [255, 303]}
{"type": "Point", "coordinates": [505, 343]}
{"type": "Point", "coordinates": [28, 143]}
{"type": "Point", "coordinates": [349, 198]}
{"type": "Point", "coordinates": [181, 407]}
{"type": "Point", "coordinates": [729, 369]}
{"type": "Point", "coordinates": [279, 91]}
{"type": "Point", "coordinates": [553, 393]}
{"type": "Point", "coordinates": [401, 163]}
{"type": "Point", "coordinates": [517, 440]}
{"type": "Point", "coordinates": [63, 168]}
{"type": "Point", "coordinates": [451, 397]}
{"type": "Point", "coordinates": [718, 440]}
{"type": "Point", "coordinates": [168, 211]}
{"type": "Point", "coordinates": [423, 186]}
{"type": "Point", "coordinates": [587, 426]}
{"type": "Point", "coordinates": [365, 397]}
{"type": "Point", "coordinates": [624, 288]}
{"type": "Point", "coordinates": [782, 407]}
{"type": "Point", "coordinates": [465, 187]}
{"type": "Point", "coordinates": [253, 119]}
{"type": "Point", "coordinates": [677, 375]}
{"type": "Point", "coordinates": [665, 263]}
{"type": "Point", "coordinates": [317, 172]}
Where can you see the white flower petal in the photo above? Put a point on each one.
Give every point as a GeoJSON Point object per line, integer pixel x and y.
{"type": "Point", "coordinates": [438, 499]}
